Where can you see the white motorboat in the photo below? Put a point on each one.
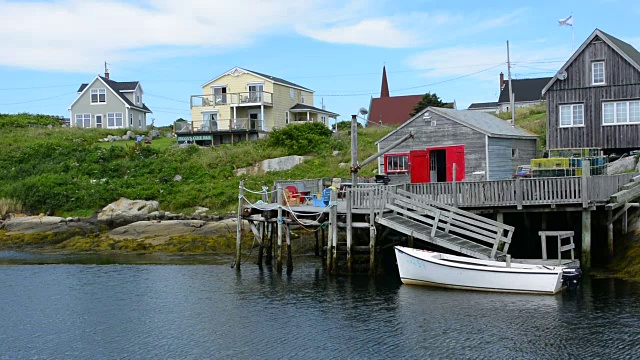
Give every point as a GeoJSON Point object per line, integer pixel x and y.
{"type": "Point", "coordinates": [421, 267]}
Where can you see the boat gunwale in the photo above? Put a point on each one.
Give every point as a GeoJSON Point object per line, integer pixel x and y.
{"type": "Point", "coordinates": [487, 268]}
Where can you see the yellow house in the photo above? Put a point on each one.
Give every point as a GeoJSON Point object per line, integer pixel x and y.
{"type": "Point", "coordinates": [242, 105]}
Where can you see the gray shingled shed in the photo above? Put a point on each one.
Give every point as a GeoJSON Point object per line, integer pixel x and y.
{"type": "Point", "coordinates": [482, 146]}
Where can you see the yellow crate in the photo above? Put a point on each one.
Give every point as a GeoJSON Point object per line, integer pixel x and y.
{"type": "Point", "coordinates": [550, 163]}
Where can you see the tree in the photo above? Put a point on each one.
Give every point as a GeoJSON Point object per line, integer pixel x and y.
{"type": "Point", "coordinates": [345, 126]}
{"type": "Point", "coordinates": [427, 100]}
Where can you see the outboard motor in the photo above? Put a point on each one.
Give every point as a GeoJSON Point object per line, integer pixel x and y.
{"type": "Point", "coordinates": [571, 277]}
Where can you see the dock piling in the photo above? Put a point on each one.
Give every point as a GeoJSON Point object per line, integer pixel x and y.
{"type": "Point", "coordinates": [349, 229]}
{"type": "Point", "coordinates": [239, 225]}
{"type": "Point", "coordinates": [372, 234]}
{"type": "Point", "coordinates": [289, 254]}
{"type": "Point", "coordinates": [279, 223]}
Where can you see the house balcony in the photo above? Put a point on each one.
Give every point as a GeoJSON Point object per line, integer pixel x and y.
{"type": "Point", "coordinates": [249, 98]}
{"type": "Point", "coordinates": [220, 125]}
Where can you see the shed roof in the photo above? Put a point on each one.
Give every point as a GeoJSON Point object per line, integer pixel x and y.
{"type": "Point", "coordinates": [524, 89]}
{"type": "Point", "coordinates": [477, 120]}
{"type": "Point", "coordinates": [483, 105]}
{"type": "Point", "coordinates": [306, 107]}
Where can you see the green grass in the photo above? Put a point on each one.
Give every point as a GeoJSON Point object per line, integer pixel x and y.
{"type": "Point", "coordinates": [68, 172]}
{"type": "Point", "coordinates": [532, 119]}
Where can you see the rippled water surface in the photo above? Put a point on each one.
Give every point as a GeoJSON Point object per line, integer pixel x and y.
{"type": "Point", "coordinates": [208, 311]}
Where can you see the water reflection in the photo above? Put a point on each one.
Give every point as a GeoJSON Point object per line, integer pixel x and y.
{"type": "Point", "coordinates": [210, 311]}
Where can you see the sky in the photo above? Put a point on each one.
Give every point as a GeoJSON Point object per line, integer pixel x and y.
{"type": "Point", "coordinates": [337, 48]}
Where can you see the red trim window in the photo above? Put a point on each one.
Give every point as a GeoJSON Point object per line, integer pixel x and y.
{"type": "Point", "coordinates": [396, 163]}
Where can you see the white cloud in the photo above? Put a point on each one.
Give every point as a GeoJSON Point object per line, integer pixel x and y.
{"type": "Point", "coordinates": [74, 35]}
{"type": "Point", "coordinates": [78, 35]}
{"type": "Point", "coordinates": [373, 32]}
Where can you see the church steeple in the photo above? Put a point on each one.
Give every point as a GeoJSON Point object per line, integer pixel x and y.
{"type": "Point", "coordinates": [384, 89]}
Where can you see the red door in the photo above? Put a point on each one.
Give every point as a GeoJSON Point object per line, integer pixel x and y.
{"type": "Point", "coordinates": [455, 155]}
{"type": "Point", "coordinates": [419, 166]}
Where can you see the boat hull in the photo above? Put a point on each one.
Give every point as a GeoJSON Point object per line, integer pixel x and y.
{"type": "Point", "coordinates": [418, 267]}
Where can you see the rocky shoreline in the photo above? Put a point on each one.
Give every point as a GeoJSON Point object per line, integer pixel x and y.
{"type": "Point", "coordinates": [136, 221]}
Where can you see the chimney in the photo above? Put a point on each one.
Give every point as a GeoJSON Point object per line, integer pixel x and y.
{"type": "Point", "coordinates": [106, 75]}
{"type": "Point", "coordinates": [106, 70]}
{"type": "Point", "coordinates": [501, 81]}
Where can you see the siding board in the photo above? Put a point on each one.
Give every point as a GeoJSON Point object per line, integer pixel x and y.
{"type": "Point", "coordinates": [622, 83]}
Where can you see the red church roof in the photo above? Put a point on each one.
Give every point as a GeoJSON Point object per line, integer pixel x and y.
{"type": "Point", "coordinates": [392, 110]}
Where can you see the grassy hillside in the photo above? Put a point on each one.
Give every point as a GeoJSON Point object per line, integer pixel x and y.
{"type": "Point", "coordinates": [25, 120]}
{"type": "Point", "coordinates": [66, 171]}
{"type": "Point", "coordinates": [533, 119]}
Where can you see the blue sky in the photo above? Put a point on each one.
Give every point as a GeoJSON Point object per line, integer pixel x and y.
{"type": "Point", "coordinates": [337, 48]}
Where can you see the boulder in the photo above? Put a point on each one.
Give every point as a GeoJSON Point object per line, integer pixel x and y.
{"type": "Point", "coordinates": [155, 133]}
{"type": "Point", "coordinates": [200, 210]}
{"type": "Point", "coordinates": [117, 138]}
{"type": "Point", "coordinates": [177, 178]}
{"type": "Point", "coordinates": [335, 153]}
{"type": "Point", "coordinates": [621, 165]}
{"type": "Point", "coordinates": [276, 164]}
{"type": "Point", "coordinates": [126, 138]}
{"type": "Point", "coordinates": [157, 232]}
{"type": "Point", "coordinates": [343, 165]}
{"type": "Point", "coordinates": [130, 134]}
{"type": "Point", "coordinates": [36, 224]}
{"type": "Point", "coordinates": [127, 211]}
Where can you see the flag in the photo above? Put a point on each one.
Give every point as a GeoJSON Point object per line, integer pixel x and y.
{"type": "Point", "coordinates": [568, 21]}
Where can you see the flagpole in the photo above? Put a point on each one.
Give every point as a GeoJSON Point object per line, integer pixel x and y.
{"type": "Point", "coordinates": [573, 36]}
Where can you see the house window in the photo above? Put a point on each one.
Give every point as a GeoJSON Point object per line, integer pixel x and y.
{"type": "Point", "coordinates": [255, 93]}
{"type": "Point", "coordinates": [98, 96]}
{"type": "Point", "coordinates": [515, 153]}
{"type": "Point", "coordinates": [114, 120]}
{"type": "Point", "coordinates": [83, 120]}
{"type": "Point", "coordinates": [286, 118]}
{"type": "Point", "coordinates": [139, 121]}
{"type": "Point", "coordinates": [396, 163]}
{"type": "Point", "coordinates": [597, 73]}
{"type": "Point", "coordinates": [433, 122]}
{"type": "Point", "coordinates": [621, 112]}
{"type": "Point", "coordinates": [571, 115]}
{"type": "Point", "coordinates": [130, 120]}
{"type": "Point", "coordinates": [324, 119]}
{"type": "Point", "coordinates": [137, 99]}
{"type": "Point", "coordinates": [301, 97]}
{"type": "Point", "coordinates": [99, 121]}
{"type": "Point", "coordinates": [292, 93]}
{"type": "Point", "coordinates": [220, 95]}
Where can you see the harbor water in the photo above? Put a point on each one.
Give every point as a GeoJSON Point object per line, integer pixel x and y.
{"type": "Point", "coordinates": [60, 307]}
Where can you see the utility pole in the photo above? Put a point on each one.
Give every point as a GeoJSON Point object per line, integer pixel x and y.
{"type": "Point", "coordinates": [354, 151]}
{"type": "Point", "coordinates": [511, 95]}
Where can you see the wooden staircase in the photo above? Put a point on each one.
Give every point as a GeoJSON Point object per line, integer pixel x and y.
{"type": "Point", "coordinates": [446, 226]}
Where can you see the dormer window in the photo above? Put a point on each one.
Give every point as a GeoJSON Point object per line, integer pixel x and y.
{"type": "Point", "coordinates": [597, 73]}
{"type": "Point", "coordinates": [138, 99]}
{"type": "Point", "coordinates": [98, 96]}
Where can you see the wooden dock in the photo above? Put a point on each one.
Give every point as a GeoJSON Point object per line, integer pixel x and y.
{"type": "Point", "coordinates": [452, 216]}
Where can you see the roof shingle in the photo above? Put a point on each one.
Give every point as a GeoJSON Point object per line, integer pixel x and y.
{"type": "Point", "coordinates": [524, 89]}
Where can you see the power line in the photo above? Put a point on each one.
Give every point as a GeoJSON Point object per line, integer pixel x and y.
{"type": "Point", "coordinates": [416, 87]}
{"type": "Point", "coordinates": [38, 87]}
{"type": "Point", "coordinates": [167, 98]}
{"type": "Point", "coordinates": [165, 108]}
{"type": "Point", "coordinates": [36, 100]}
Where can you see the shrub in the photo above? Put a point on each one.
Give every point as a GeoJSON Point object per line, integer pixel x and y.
{"type": "Point", "coordinates": [25, 119]}
{"type": "Point", "coordinates": [301, 139]}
